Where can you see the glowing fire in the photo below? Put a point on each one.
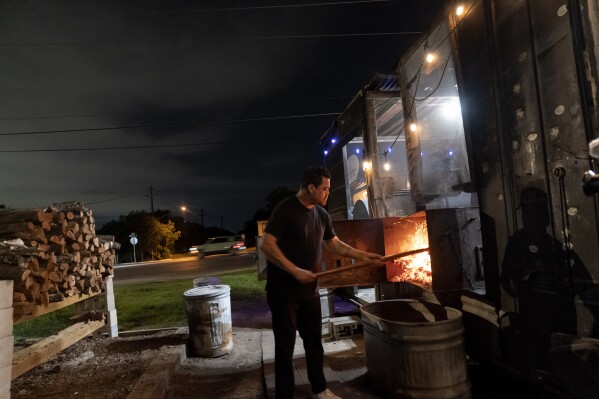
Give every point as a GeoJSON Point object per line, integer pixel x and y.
{"type": "Point", "coordinates": [416, 268]}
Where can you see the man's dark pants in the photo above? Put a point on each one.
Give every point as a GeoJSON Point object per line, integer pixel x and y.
{"type": "Point", "coordinates": [288, 316]}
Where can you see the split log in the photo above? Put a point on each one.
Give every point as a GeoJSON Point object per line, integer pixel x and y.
{"type": "Point", "coordinates": [67, 206]}
{"type": "Point", "coordinates": [19, 297]}
{"type": "Point", "coordinates": [37, 234]}
{"type": "Point", "coordinates": [7, 229]}
{"type": "Point", "coordinates": [25, 215]}
{"type": "Point", "coordinates": [21, 308]}
{"type": "Point", "coordinates": [13, 272]}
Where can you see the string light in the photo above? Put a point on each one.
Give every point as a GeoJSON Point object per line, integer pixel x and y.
{"type": "Point", "coordinates": [449, 110]}
{"type": "Point", "coordinates": [326, 152]}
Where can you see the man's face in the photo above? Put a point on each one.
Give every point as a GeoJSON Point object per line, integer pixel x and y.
{"type": "Point", "coordinates": [320, 194]}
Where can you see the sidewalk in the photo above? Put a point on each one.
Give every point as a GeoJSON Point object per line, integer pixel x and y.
{"type": "Point", "coordinates": [344, 368]}
{"type": "Point", "coordinates": [248, 372]}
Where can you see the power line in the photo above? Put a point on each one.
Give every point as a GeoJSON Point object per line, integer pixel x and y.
{"type": "Point", "coordinates": [211, 39]}
{"type": "Point", "coordinates": [207, 10]}
{"type": "Point", "coordinates": [113, 199]}
{"type": "Point", "coordinates": [141, 147]}
{"type": "Point", "coordinates": [154, 112]}
{"type": "Point", "coordinates": [270, 118]}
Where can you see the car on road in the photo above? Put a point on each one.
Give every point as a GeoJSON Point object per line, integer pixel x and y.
{"type": "Point", "coordinates": [221, 245]}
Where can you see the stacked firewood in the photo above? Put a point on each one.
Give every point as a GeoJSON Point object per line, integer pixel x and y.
{"type": "Point", "coordinates": [53, 253]}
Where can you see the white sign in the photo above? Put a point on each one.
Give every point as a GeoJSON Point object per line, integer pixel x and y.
{"type": "Point", "coordinates": [133, 240]}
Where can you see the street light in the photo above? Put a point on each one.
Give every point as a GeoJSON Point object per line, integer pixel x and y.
{"type": "Point", "coordinates": [183, 210]}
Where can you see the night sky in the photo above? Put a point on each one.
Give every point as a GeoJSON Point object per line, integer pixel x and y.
{"type": "Point", "coordinates": [212, 103]}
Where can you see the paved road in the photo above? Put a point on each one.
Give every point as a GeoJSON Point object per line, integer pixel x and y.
{"type": "Point", "coordinates": [188, 267]}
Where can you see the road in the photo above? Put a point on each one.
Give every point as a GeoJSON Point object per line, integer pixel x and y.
{"type": "Point", "coordinates": [188, 267]}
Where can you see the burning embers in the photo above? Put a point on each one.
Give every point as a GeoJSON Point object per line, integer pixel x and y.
{"type": "Point", "coordinates": [416, 268]}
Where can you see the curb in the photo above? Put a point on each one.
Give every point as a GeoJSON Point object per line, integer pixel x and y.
{"type": "Point", "coordinates": [155, 380]}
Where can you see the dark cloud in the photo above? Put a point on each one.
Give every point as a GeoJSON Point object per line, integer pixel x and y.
{"type": "Point", "coordinates": [184, 73]}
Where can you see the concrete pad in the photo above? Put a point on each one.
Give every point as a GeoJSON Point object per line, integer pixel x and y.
{"type": "Point", "coordinates": [344, 362]}
{"type": "Point", "coordinates": [237, 375]}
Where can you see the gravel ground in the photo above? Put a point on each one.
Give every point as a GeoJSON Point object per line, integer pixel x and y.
{"type": "Point", "coordinates": [108, 368]}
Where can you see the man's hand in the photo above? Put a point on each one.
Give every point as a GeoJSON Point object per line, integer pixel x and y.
{"type": "Point", "coordinates": [369, 256]}
{"type": "Point", "coordinates": [304, 276]}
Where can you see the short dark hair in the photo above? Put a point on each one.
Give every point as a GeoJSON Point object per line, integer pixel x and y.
{"type": "Point", "coordinates": [314, 175]}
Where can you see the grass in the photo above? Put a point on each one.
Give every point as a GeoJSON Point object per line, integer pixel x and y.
{"type": "Point", "coordinates": [148, 305]}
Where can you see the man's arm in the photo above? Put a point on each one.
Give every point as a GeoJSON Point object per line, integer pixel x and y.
{"type": "Point", "coordinates": [275, 255]}
{"type": "Point", "coordinates": [340, 248]}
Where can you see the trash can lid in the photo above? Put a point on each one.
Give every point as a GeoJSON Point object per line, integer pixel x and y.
{"type": "Point", "coordinates": [207, 291]}
{"type": "Point", "coordinates": [201, 281]}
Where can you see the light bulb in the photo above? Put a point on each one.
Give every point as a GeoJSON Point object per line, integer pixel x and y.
{"type": "Point", "coordinates": [333, 141]}
{"type": "Point", "coordinates": [387, 166]}
{"type": "Point", "coordinates": [366, 165]}
{"type": "Point", "coordinates": [357, 150]}
{"type": "Point", "coordinates": [459, 10]}
{"type": "Point", "coordinates": [430, 58]}
{"type": "Point", "coordinates": [326, 152]}
{"type": "Point", "coordinates": [412, 127]}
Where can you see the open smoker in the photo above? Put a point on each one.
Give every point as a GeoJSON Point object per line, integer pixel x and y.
{"type": "Point", "coordinates": [453, 262]}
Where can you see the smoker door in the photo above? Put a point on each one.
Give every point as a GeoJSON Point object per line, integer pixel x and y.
{"type": "Point", "coordinates": [365, 235]}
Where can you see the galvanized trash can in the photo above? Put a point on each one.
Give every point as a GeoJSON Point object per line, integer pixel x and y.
{"type": "Point", "coordinates": [416, 349]}
{"type": "Point", "coordinates": [208, 311]}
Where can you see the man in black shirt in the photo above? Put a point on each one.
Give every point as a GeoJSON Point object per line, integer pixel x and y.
{"type": "Point", "coordinates": [292, 243]}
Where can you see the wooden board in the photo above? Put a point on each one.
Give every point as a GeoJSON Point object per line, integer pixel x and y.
{"type": "Point", "coordinates": [40, 309]}
{"type": "Point", "coordinates": [28, 358]}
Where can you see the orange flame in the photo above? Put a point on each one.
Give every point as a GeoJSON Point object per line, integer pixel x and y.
{"type": "Point", "coordinates": [416, 268]}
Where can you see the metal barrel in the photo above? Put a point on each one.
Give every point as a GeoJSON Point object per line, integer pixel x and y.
{"type": "Point", "coordinates": [416, 349]}
{"type": "Point", "coordinates": [208, 311]}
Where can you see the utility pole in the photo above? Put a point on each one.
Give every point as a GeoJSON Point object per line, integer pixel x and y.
{"type": "Point", "coordinates": [152, 200]}
{"type": "Point", "coordinates": [202, 216]}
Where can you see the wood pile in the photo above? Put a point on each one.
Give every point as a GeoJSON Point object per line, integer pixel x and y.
{"type": "Point", "coordinates": [53, 253]}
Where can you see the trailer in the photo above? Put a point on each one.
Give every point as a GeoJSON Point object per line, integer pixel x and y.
{"type": "Point", "coordinates": [484, 133]}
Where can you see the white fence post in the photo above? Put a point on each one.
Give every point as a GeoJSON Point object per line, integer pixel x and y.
{"type": "Point", "coordinates": [113, 328]}
{"type": "Point", "coordinates": [6, 337]}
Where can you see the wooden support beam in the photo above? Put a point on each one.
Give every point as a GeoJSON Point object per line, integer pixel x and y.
{"type": "Point", "coordinates": [40, 310]}
{"type": "Point", "coordinates": [156, 379]}
{"type": "Point", "coordinates": [38, 353]}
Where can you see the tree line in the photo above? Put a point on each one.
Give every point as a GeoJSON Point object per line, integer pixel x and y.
{"type": "Point", "coordinates": [160, 234]}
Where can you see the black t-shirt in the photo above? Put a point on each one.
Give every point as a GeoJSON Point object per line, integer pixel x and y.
{"type": "Point", "coordinates": [300, 232]}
